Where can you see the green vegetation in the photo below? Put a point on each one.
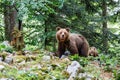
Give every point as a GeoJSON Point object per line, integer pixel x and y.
{"type": "Point", "coordinates": [36, 22]}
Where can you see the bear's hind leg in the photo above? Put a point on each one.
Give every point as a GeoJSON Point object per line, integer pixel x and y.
{"type": "Point", "coordinates": [84, 50]}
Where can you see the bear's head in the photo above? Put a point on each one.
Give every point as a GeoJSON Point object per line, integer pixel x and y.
{"type": "Point", "coordinates": [93, 51]}
{"type": "Point", "coordinates": [62, 34]}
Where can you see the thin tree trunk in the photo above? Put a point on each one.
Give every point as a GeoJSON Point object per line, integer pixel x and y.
{"type": "Point", "coordinates": [105, 29]}
{"type": "Point", "coordinates": [45, 42]}
{"type": "Point", "coordinates": [10, 15]}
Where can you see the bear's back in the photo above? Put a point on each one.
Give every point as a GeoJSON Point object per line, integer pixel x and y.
{"type": "Point", "coordinates": [77, 38]}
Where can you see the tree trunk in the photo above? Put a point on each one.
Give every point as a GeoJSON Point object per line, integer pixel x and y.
{"type": "Point", "coordinates": [45, 31]}
{"type": "Point", "coordinates": [10, 15]}
{"type": "Point", "coordinates": [105, 29]}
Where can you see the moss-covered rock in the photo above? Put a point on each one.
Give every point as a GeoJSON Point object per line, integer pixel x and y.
{"type": "Point", "coordinates": [3, 55]}
{"type": "Point", "coordinates": [19, 58]}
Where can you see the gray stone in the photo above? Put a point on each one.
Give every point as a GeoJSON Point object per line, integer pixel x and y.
{"type": "Point", "coordinates": [51, 53]}
{"type": "Point", "coordinates": [38, 66]}
{"type": "Point", "coordinates": [63, 56]}
{"type": "Point", "coordinates": [3, 78]}
{"type": "Point", "coordinates": [1, 59]}
{"type": "Point", "coordinates": [6, 79]}
{"type": "Point", "coordinates": [82, 75]}
{"type": "Point", "coordinates": [27, 52]}
{"type": "Point", "coordinates": [6, 43]}
{"type": "Point", "coordinates": [67, 53]}
{"type": "Point", "coordinates": [22, 63]}
{"type": "Point", "coordinates": [88, 79]}
{"type": "Point", "coordinates": [73, 69]}
{"type": "Point", "coordinates": [1, 67]}
{"type": "Point", "coordinates": [86, 76]}
{"type": "Point", "coordinates": [9, 60]}
{"type": "Point", "coordinates": [46, 58]}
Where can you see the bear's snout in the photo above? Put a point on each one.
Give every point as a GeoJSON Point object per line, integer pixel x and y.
{"type": "Point", "coordinates": [62, 36]}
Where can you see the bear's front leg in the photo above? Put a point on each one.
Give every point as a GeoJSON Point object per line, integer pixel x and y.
{"type": "Point", "coordinates": [61, 49]}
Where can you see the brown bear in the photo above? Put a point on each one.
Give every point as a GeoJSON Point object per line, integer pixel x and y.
{"type": "Point", "coordinates": [93, 51]}
{"type": "Point", "coordinates": [75, 43]}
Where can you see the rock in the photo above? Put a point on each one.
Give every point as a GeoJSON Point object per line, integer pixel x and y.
{"type": "Point", "coordinates": [89, 77]}
{"type": "Point", "coordinates": [32, 57]}
{"type": "Point", "coordinates": [38, 66]}
{"type": "Point", "coordinates": [6, 43]}
{"type": "Point", "coordinates": [63, 56]}
{"type": "Point", "coordinates": [82, 75]}
{"type": "Point", "coordinates": [4, 64]}
{"type": "Point", "coordinates": [19, 58]}
{"type": "Point", "coordinates": [1, 58]}
{"type": "Point", "coordinates": [1, 67]}
{"type": "Point", "coordinates": [22, 63]}
{"type": "Point", "coordinates": [46, 58]}
{"type": "Point", "coordinates": [73, 69]}
{"type": "Point", "coordinates": [85, 76]}
{"type": "Point", "coordinates": [66, 60]}
{"type": "Point", "coordinates": [9, 60]}
{"type": "Point", "coordinates": [67, 53]}
{"type": "Point", "coordinates": [51, 54]}
{"type": "Point", "coordinates": [6, 79]}
{"type": "Point", "coordinates": [27, 52]}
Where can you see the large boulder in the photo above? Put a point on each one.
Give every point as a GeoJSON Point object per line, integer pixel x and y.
{"type": "Point", "coordinates": [73, 69]}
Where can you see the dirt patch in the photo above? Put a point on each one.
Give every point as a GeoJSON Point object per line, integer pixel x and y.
{"type": "Point", "coordinates": [104, 75]}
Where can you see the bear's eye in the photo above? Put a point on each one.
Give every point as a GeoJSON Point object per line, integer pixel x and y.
{"type": "Point", "coordinates": [60, 32]}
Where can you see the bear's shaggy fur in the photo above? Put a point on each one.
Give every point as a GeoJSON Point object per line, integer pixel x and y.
{"type": "Point", "coordinates": [75, 43]}
{"type": "Point", "coordinates": [93, 51]}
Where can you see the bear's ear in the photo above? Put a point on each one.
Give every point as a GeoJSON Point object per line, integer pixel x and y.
{"type": "Point", "coordinates": [58, 28]}
{"type": "Point", "coordinates": [68, 29]}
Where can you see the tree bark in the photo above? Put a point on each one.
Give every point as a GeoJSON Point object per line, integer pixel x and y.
{"type": "Point", "coordinates": [104, 23]}
{"type": "Point", "coordinates": [45, 31]}
{"type": "Point", "coordinates": [10, 15]}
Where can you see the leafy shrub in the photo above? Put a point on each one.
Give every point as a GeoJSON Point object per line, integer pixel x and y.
{"type": "Point", "coordinates": [108, 62]}
{"type": "Point", "coordinates": [75, 57]}
{"type": "Point", "coordinates": [30, 47]}
{"type": "Point", "coordinates": [1, 33]}
{"type": "Point", "coordinates": [2, 47]}
{"type": "Point", "coordinates": [6, 48]}
{"type": "Point", "coordinates": [9, 49]}
{"type": "Point", "coordinates": [27, 76]}
{"type": "Point", "coordinates": [82, 60]}
{"type": "Point", "coordinates": [117, 74]}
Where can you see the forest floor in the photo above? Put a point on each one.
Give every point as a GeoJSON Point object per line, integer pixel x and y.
{"type": "Point", "coordinates": [40, 65]}
{"type": "Point", "coordinates": [104, 75]}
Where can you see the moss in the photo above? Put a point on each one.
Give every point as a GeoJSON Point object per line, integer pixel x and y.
{"type": "Point", "coordinates": [66, 74]}
{"type": "Point", "coordinates": [36, 52]}
{"type": "Point", "coordinates": [44, 69]}
{"type": "Point", "coordinates": [3, 55]}
{"type": "Point", "coordinates": [19, 58]}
